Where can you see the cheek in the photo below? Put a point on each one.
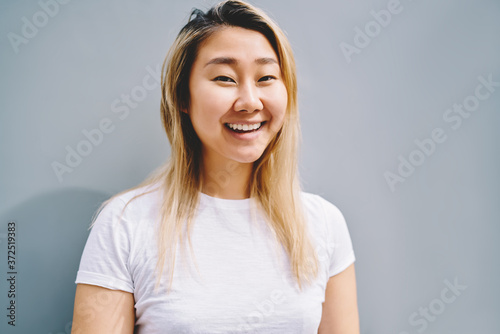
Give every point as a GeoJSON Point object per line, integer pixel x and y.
{"type": "Point", "coordinates": [205, 108]}
{"type": "Point", "coordinates": [278, 105]}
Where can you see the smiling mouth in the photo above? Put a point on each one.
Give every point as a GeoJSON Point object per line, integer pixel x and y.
{"type": "Point", "coordinates": [244, 128]}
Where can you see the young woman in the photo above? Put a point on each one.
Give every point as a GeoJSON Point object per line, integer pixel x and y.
{"type": "Point", "coordinates": [222, 239]}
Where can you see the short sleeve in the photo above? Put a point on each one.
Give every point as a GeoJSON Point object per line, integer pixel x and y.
{"type": "Point", "coordinates": [105, 258]}
{"type": "Point", "coordinates": [338, 238]}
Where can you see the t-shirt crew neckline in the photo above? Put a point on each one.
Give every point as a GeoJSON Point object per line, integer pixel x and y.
{"type": "Point", "coordinates": [240, 204]}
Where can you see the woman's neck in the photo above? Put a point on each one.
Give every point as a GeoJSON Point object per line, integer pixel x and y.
{"type": "Point", "coordinates": [226, 179]}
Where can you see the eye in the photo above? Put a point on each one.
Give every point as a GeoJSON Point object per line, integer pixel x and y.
{"type": "Point", "coordinates": [223, 79]}
{"type": "Point", "coordinates": [267, 78]}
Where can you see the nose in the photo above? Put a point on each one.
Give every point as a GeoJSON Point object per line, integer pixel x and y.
{"type": "Point", "coordinates": [248, 99]}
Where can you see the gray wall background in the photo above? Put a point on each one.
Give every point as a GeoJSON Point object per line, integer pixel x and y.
{"type": "Point", "coordinates": [437, 226]}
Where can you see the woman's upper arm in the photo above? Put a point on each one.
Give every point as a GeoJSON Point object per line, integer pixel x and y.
{"type": "Point", "coordinates": [100, 310]}
{"type": "Point", "coordinates": [340, 309]}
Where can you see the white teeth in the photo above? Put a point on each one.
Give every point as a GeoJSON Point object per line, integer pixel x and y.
{"type": "Point", "coordinates": [244, 127]}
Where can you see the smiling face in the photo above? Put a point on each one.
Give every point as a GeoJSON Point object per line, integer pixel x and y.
{"type": "Point", "coordinates": [238, 99]}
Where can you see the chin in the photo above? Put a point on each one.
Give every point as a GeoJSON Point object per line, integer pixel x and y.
{"type": "Point", "coordinates": [248, 158]}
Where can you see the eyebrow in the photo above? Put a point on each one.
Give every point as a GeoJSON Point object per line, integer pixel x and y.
{"type": "Point", "coordinates": [233, 61]}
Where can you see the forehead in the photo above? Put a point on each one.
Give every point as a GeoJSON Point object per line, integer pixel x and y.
{"type": "Point", "coordinates": [236, 42]}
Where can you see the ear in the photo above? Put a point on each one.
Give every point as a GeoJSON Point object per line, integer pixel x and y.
{"type": "Point", "coordinates": [184, 108]}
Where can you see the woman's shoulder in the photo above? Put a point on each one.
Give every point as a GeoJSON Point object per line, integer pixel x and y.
{"type": "Point", "coordinates": [314, 202]}
{"type": "Point", "coordinates": [149, 192]}
{"type": "Point", "coordinates": [322, 213]}
{"type": "Point", "coordinates": [138, 201]}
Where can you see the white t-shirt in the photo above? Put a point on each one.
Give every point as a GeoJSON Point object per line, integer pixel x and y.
{"type": "Point", "coordinates": [245, 283]}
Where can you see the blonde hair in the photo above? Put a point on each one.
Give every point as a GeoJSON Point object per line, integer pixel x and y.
{"type": "Point", "coordinates": [274, 183]}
